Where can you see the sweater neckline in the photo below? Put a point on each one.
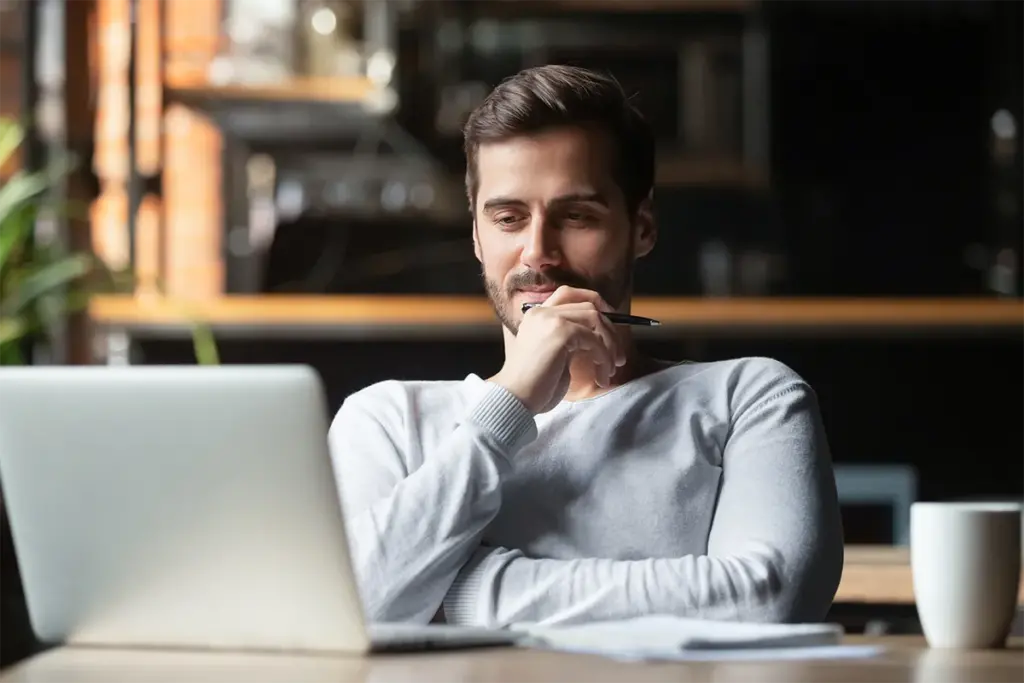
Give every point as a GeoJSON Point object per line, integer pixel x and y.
{"type": "Point", "coordinates": [630, 385]}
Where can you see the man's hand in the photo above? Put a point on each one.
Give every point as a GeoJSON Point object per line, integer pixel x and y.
{"type": "Point", "coordinates": [568, 325]}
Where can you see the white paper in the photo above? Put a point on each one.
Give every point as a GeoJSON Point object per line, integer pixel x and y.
{"type": "Point", "coordinates": [727, 655]}
{"type": "Point", "coordinates": [672, 634]}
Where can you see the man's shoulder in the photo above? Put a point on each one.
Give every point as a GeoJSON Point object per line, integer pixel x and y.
{"type": "Point", "coordinates": [740, 381]}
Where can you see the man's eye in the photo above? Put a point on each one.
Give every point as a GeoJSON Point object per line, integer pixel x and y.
{"type": "Point", "coordinates": [506, 221]}
{"type": "Point", "coordinates": [578, 217]}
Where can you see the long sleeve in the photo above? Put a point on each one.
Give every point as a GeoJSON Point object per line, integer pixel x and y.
{"type": "Point", "coordinates": [409, 532]}
{"type": "Point", "coordinates": [774, 551]}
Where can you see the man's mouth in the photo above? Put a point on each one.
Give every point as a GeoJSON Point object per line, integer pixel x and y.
{"type": "Point", "coordinates": [536, 295]}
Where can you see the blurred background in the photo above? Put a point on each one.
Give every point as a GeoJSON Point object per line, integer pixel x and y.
{"type": "Point", "coordinates": [839, 186]}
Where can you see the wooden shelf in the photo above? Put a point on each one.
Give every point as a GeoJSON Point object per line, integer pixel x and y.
{"type": "Point", "coordinates": [525, 7]}
{"type": "Point", "coordinates": [308, 110]}
{"type": "Point", "coordinates": [881, 575]}
{"type": "Point", "coordinates": [452, 316]}
{"type": "Point", "coordinates": [313, 90]}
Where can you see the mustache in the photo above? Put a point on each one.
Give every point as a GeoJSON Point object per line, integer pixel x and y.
{"type": "Point", "coordinates": [551, 277]}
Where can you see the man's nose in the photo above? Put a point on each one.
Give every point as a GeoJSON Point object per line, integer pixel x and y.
{"type": "Point", "coordinates": [541, 247]}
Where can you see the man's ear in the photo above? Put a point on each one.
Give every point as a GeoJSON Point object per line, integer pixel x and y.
{"type": "Point", "coordinates": [476, 244]}
{"type": "Point", "coordinates": [645, 234]}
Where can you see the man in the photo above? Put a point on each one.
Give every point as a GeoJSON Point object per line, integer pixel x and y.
{"type": "Point", "coordinates": [583, 481]}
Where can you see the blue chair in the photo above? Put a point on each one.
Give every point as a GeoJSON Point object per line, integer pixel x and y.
{"type": "Point", "coordinates": [890, 485]}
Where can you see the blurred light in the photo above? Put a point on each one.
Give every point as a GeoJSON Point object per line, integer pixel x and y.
{"type": "Point", "coordinates": [337, 194]}
{"type": "Point", "coordinates": [118, 349]}
{"type": "Point", "coordinates": [324, 21]}
{"type": "Point", "coordinates": [1002, 276]}
{"type": "Point", "coordinates": [260, 170]}
{"type": "Point", "coordinates": [238, 242]}
{"type": "Point", "coordinates": [381, 101]}
{"type": "Point", "coordinates": [486, 37]}
{"type": "Point", "coordinates": [291, 199]}
{"type": "Point", "coordinates": [422, 196]}
{"type": "Point", "coordinates": [449, 37]}
{"type": "Point", "coordinates": [243, 30]}
{"type": "Point", "coordinates": [380, 67]}
{"type": "Point", "coordinates": [1003, 125]}
{"type": "Point", "coordinates": [393, 197]}
{"type": "Point", "coordinates": [221, 71]}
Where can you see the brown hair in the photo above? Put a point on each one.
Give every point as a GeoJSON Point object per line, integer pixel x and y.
{"type": "Point", "coordinates": [554, 95]}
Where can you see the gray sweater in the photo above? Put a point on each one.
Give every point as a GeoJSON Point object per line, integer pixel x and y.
{"type": "Point", "coordinates": [702, 490]}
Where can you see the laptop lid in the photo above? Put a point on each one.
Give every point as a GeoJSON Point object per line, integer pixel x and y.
{"type": "Point", "coordinates": [177, 506]}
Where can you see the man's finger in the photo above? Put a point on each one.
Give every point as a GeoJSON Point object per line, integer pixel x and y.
{"type": "Point", "coordinates": [590, 342]}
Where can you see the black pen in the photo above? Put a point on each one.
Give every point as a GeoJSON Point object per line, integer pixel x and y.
{"type": "Point", "coordinates": [617, 318]}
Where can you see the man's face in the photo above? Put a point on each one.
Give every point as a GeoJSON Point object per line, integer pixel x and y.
{"type": "Point", "coordinates": [549, 213]}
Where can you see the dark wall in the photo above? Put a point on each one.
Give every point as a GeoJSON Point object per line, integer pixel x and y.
{"type": "Point", "coordinates": [880, 139]}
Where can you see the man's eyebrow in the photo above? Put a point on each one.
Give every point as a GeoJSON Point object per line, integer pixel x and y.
{"type": "Point", "coordinates": [498, 202]}
{"type": "Point", "coordinates": [592, 197]}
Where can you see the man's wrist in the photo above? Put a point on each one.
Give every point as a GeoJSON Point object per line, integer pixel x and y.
{"type": "Point", "coordinates": [503, 415]}
{"type": "Point", "coordinates": [512, 389]}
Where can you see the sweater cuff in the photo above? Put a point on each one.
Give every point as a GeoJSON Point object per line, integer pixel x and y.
{"type": "Point", "coordinates": [504, 417]}
{"type": "Point", "coordinates": [460, 604]}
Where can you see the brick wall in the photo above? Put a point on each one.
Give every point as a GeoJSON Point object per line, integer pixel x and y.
{"type": "Point", "coordinates": [10, 72]}
{"type": "Point", "coordinates": [192, 166]}
{"type": "Point", "coordinates": [178, 236]}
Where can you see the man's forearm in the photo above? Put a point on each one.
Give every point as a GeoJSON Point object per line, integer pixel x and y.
{"type": "Point", "coordinates": [774, 550]}
{"type": "Point", "coordinates": [499, 587]}
{"type": "Point", "coordinates": [408, 544]}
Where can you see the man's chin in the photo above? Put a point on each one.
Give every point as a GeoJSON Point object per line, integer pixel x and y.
{"type": "Point", "coordinates": [507, 314]}
{"type": "Point", "coordinates": [510, 321]}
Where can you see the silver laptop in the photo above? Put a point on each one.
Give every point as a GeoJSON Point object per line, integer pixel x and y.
{"type": "Point", "coordinates": [186, 506]}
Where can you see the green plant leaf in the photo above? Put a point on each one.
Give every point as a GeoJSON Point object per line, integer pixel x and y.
{"type": "Point", "coordinates": [23, 187]}
{"type": "Point", "coordinates": [204, 345]}
{"type": "Point", "coordinates": [12, 332]}
{"type": "Point", "coordinates": [45, 279]}
{"type": "Point", "coordinates": [10, 354]}
{"type": "Point", "coordinates": [15, 232]}
{"type": "Point", "coordinates": [11, 137]}
{"type": "Point", "coordinates": [20, 189]}
{"type": "Point", "coordinates": [12, 329]}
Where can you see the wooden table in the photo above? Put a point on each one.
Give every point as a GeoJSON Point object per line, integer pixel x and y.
{"type": "Point", "coordinates": [881, 575]}
{"type": "Point", "coordinates": [906, 659]}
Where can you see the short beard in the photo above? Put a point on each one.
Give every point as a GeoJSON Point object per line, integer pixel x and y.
{"type": "Point", "coordinates": [613, 287]}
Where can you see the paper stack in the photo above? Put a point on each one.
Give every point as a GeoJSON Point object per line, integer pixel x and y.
{"type": "Point", "coordinates": [659, 637]}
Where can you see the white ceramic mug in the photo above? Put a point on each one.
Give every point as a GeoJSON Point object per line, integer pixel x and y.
{"type": "Point", "coordinates": [966, 564]}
